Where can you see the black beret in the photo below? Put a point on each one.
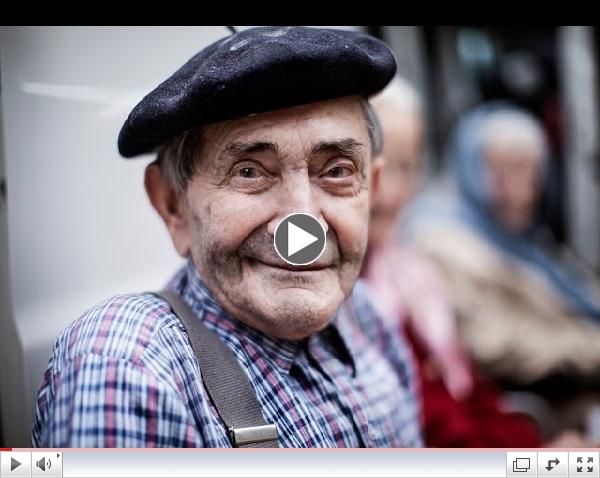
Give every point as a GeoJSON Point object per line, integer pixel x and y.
{"type": "Point", "coordinates": [253, 71]}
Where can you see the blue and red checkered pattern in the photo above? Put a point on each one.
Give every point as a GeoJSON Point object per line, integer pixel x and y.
{"type": "Point", "coordinates": [125, 375]}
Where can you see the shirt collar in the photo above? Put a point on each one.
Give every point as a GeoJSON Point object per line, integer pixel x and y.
{"type": "Point", "coordinates": [282, 352]}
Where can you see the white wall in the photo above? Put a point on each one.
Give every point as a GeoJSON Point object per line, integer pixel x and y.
{"type": "Point", "coordinates": [76, 226]}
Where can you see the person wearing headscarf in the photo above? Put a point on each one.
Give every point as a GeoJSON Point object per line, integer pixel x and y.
{"type": "Point", "coordinates": [529, 313]}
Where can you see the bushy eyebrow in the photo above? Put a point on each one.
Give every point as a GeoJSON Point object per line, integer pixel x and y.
{"type": "Point", "coordinates": [344, 147]}
{"type": "Point", "coordinates": [241, 148]}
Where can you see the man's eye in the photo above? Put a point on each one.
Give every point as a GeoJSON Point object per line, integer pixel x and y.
{"type": "Point", "coordinates": [339, 172]}
{"type": "Point", "coordinates": [248, 172]}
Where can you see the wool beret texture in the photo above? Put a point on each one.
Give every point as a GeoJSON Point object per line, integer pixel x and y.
{"type": "Point", "coordinates": [254, 71]}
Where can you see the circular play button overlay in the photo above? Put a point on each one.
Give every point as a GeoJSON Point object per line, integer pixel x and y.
{"type": "Point", "coordinates": [299, 239]}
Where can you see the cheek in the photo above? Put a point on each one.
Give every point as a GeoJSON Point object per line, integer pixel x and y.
{"type": "Point", "coordinates": [229, 218]}
{"type": "Point", "coordinates": [495, 187]}
{"type": "Point", "coordinates": [349, 218]}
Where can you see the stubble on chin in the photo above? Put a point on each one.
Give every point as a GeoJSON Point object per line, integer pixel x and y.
{"type": "Point", "coordinates": [259, 300]}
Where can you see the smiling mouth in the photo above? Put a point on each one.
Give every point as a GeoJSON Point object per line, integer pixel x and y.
{"type": "Point", "coordinates": [284, 266]}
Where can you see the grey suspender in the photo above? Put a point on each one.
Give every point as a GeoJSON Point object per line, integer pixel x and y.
{"type": "Point", "coordinates": [225, 380]}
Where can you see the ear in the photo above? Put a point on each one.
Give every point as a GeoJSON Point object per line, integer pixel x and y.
{"type": "Point", "coordinates": [376, 172]}
{"type": "Point", "coordinates": [171, 207]}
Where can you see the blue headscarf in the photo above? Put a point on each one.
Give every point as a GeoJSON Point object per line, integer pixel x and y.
{"type": "Point", "coordinates": [465, 160]}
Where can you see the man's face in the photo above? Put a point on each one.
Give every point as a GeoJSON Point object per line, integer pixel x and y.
{"type": "Point", "coordinates": [254, 171]}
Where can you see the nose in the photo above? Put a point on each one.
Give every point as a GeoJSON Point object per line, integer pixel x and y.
{"type": "Point", "coordinates": [297, 194]}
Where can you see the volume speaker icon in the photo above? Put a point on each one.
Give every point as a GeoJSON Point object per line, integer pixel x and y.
{"type": "Point", "coordinates": [43, 463]}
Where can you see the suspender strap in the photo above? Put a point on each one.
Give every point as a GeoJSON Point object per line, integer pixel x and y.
{"type": "Point", "coordinates": [225, 380]}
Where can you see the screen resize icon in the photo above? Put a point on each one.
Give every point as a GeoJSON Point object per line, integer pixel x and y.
{"type": "Point", "coordinates": [521, 465]}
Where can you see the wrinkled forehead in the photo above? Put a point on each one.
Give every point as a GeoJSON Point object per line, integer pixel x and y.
{"type": "Point", "coordinates": [300, 126]}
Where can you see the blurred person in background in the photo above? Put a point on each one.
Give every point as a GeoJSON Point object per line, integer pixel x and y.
{"type": "Point", "coordinates": [460, 408]}
{"type": "Point", "coordinates": [528, 312]}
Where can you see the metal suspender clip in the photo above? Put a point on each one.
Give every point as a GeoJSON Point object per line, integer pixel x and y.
{"type": "Point", "coordinates": [234, 399]}
{"type": "Point", "coordinates": [245, 436]}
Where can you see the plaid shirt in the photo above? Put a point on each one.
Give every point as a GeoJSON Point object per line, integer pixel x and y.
{"type": "Point", "coordinates": [125, 375]}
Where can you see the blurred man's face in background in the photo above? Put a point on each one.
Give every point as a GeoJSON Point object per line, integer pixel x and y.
{"type": "Point", "coordinates": [402, 165]}
{"type": "Point", "coordinates": [514, 173]}
{"type": "Point", "coordinates": [253, 172]}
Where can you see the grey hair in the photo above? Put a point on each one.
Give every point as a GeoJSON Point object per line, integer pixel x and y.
{"type": "Point", "coordinates": [374, 128]}
{"type": "Point", "coordinates": [177, 156]}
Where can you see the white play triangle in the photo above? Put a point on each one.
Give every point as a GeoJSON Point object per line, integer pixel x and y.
{"type": "Point", "coordinates": [298, 239]}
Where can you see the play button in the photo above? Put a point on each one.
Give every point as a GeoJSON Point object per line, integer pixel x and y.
{"type": "Point", "coordinates": [299, 239]}
{"type": "Point", "coordinates": [14, 464]}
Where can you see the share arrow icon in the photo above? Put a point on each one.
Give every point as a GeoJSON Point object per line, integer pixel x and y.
{"type": "Point", "coordinates": [551, 466]}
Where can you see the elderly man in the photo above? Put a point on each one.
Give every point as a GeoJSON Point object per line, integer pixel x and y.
{"type": "Point", "coordinates": [246, 347]}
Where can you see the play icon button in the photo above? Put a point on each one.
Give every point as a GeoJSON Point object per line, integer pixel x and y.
{"type": "Point", "coordinates": [299, 239]}
{"type": "Point", "coordinates": [14, 464]}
